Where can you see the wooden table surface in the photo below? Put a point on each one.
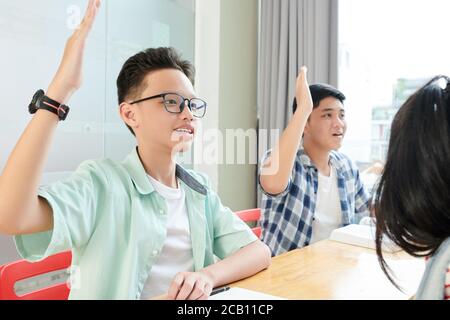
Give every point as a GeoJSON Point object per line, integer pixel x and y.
{"type": "Point", "coordinates": [333, 270]}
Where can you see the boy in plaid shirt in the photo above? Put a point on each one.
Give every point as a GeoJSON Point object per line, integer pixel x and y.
{"type": "Point", "coordinates": [309, 188]}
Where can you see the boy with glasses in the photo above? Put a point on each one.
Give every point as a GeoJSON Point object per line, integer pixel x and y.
{"type": "Point", "coordinates": [139, 228]}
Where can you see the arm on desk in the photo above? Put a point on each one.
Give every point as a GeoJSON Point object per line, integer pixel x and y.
{"type": "Point", "coordinates": [198, 285]}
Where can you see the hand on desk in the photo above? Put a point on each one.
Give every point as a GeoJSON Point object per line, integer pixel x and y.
{"type": "Point", "coordinates": [190, 286]}
{"type": "Point", "coordinates": [244, 263]}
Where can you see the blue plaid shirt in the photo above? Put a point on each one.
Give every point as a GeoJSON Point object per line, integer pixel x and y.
{"type": "Point", "coordinates": [287, 217]}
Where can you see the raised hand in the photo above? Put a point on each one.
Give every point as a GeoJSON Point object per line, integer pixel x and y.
{"type": "Point", "coordinates": [22, 211]}
{"type": "Point", "coordinates": [302, 93]}
{"type": "Point", "coordinates": [276, 169]}
{"type": "Point", "coordinates": [69, 77]}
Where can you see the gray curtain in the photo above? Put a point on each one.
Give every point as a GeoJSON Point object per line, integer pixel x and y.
{"type": "Point", "coordinates": [292, 33]}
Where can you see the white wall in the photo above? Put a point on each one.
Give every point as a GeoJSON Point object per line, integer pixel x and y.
{"type": "Point", "coordinates": [226, 55]}
{"type": "Point", "coordinates": [238, 108]}
{"type": "Point", "coordinates": [207, 58]}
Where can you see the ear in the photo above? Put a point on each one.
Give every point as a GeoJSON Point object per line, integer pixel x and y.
{"type": "Point", "coordinates": [129, 115]}
{"type": "Point", "coordinates": [306, 130]}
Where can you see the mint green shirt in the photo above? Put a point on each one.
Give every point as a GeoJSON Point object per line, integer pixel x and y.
{"type": "Point", "coordinates": [114, 222]}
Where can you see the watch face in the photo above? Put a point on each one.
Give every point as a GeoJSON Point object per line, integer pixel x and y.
{"type": "Point", "coordinates": [37, 97]}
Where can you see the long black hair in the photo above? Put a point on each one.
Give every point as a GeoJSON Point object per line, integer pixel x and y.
{"type": "Point", "coordinates": [412, 201]}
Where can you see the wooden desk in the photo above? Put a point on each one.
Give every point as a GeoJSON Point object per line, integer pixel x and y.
{"type": "Point", "coordinates": [333, 270]}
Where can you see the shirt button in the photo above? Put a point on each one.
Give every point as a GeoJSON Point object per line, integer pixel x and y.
{"type": "Point", "coordinates": [161, 211]}
{"type": "Point", "coordinates": [155, 253]}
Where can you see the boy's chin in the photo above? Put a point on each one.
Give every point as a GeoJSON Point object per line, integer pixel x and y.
{"type": "Point", "coordinates": [182, 147]}
{"type": "Point", "coordinates": [185, 149]}
{"type": "Point", "coordinates": [336, 147]}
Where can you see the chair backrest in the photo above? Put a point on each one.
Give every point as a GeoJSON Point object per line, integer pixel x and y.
{"type": "Point", "coordinates": [251, 215]}
{"type": "Point", "coordinates": [19, 270]}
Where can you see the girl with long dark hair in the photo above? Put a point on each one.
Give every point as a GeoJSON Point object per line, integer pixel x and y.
{"type": "Point", "coordinates": [412, 202]}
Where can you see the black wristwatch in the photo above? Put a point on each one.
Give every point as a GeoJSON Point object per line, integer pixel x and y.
{"type": "Point", "coordinates": [41, 101]}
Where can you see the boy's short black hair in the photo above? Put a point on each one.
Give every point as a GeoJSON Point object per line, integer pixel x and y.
{"type": "Point", "coordinates": [134, 70]}
{"type": "Point", "coordinates": [319, 92]}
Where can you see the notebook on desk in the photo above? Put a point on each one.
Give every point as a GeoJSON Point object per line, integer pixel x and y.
{"type": "Point", "coordinates": [363, 236]}
{"type": "Point", "coordinates": [236, 293]}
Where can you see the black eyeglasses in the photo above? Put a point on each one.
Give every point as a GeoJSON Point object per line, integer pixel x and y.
{"type": "Point", "coordinates": [174, 103]}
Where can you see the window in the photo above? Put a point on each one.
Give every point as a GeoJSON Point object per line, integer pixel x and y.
{"type": "Point", "coordinates": [387, 50]}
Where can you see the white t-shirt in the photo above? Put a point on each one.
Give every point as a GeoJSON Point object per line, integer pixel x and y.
{"type": "Point", "coordinates": [327, 215]}
{"type": "Point", "coordinates": [176, 254]}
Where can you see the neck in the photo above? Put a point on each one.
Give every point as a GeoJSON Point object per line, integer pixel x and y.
{"type": "Point", "coordinates": [158, 163]}
{"type": "Point", "coordinates": [319, 157]}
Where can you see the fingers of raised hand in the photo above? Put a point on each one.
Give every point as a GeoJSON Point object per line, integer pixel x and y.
{"type": "Point", "coordinates": [301, 79]}
{"type": "Point", "coordinates": [303, 93]}
{"type": "Point", "coordinates": [89, 17]}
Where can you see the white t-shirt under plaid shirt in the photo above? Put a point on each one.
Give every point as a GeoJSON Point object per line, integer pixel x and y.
{"type": "Point", "coordinates": [287, 218]}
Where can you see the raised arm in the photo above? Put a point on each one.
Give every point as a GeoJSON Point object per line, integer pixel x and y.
{"type": "Point", "coordinates": [277, 168]}
{"type": "Point", "coordinates": [21, 210]}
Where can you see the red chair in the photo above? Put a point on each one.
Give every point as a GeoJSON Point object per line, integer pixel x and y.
{"type": "Point", "coordinates": [251, 215]}
{"type": "Point", "coordinates": [19, 270]}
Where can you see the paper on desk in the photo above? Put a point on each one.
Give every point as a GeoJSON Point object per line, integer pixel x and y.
{"type": "Point", "coordinates": [243, 294]}
{"type": "Point", "coordinates": [363, 236]}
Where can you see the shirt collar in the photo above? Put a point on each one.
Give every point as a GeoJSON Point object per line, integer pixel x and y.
{"type": "Point", "coordinates": [135, 169]}
{"type": "Point", "coordinates": [305, 160]}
